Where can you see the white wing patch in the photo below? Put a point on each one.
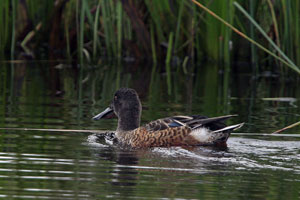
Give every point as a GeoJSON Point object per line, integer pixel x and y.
{"type": "Point", "coordinates": [201, 134]}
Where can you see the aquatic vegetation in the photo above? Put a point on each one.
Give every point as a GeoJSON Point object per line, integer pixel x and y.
{"type": "Point", "coordinates": [175, 32]}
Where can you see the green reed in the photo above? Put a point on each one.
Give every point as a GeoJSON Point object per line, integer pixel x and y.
{"type": "Point", "coordinates": [95, 32]}
{"type": "Point", "coordinates": [103, 28]}
{"type": "Point", "coordinates": [154, 57]}
{"type": "Point", "coordinates": [155, 10]}
{"type": "Point", "coordinates": [252, 35]}
{"type": "Point", "coordinates": [213, 29]}
{"type": "Point", "coordinates": [168, 62]}
{"type": "Point", "coordinates": [39, 12]}
{"type": "Point", "coordinates": [289, 29]}
{"type": "Point", "coordinates": [178, 24]}
{"type": "Point", "coordinates": [296, 32]}
{"type": "Point", "coordinates": [112, 20]}
{"type": "Point", "coordinates": [81, 30]}
{"type": "Point", "coordinates": [13, 32]}
{"type": "Point", "coordinates": [286, 60]}
{"type": "Point", "coordinates": [4, 25]}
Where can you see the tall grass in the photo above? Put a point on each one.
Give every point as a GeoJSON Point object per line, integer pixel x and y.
{"type": "Point", "coordinates": [286, 60]}
{"type": "Point", "coordinates": [168, 62]}
{"type": "Point", "coordinates": [252, 35]}
{"type": "Point", "coordinates": [218, 35]}
{"type": "Point", "coordinates": [296, 29]}
{"type": "Point", "coordinates": [5, 24]}
{"type": "Point", "coordinates": [142, 29]}
{"type": "Point", "coordinates": [13, 32]}
{"type": "Point", "coordinates": [95, 32]}
{"type": "Point", "coordinates": [81, 30]}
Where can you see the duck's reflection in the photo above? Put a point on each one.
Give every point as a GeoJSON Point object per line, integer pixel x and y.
{"type": "Point", "coordinates": [123, 173]}
{"type": "Point", "coordinates": [128, 166]}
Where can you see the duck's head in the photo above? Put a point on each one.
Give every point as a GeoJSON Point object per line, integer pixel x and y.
{"type": "Point", "coordinates": [127, 107]}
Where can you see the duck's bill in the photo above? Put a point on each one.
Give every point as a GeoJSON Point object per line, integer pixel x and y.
{"type": "Point", "coordinates": [106, 114]}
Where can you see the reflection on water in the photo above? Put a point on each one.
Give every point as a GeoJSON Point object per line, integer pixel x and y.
{"type": "Point", "coordinates": [72, 165]}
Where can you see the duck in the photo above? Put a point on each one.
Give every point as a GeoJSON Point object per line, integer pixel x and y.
{"type": "Point", "coordinates": [181, 130]}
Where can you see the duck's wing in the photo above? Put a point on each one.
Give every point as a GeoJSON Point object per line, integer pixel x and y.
{"type": "Point", "coordinates": [165, 123]}
{"type": "Point", "coordinates": [213, 123]}
{"type": "Point", "coordinates": [193, 122]}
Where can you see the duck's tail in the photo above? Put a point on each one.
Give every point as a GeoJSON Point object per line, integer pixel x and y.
{"type": "Point", "coordinates": [229, 128]}
{"type": "Point", "coordinates": [217, 137]}
{"type": "Point", "coordinates": [199, 120]}
{"type": "Point", "coordinates": [213, 123]}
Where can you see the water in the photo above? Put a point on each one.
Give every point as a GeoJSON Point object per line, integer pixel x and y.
{"type": "Point", "coordinates": [75, 165]}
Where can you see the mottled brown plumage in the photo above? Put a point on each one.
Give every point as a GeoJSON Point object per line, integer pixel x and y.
{"type": "Point", "coordinates": [141, 137]}
{"type": "Point", "coordinates": [166, 132]}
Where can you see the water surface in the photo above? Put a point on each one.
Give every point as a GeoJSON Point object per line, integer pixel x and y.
{"type": "Point", "coordinates": [75, 165]}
